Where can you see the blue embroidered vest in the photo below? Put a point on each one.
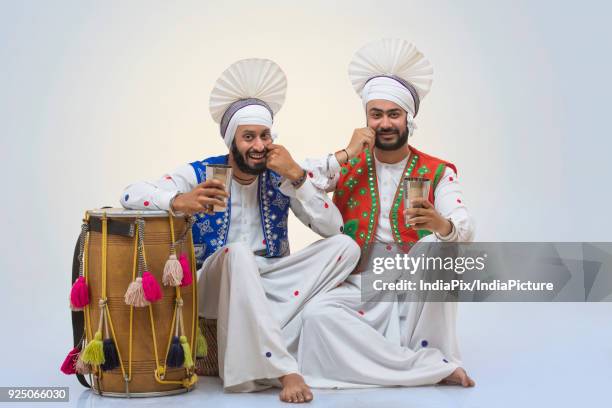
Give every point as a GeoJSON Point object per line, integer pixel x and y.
{"type": "Point", "coordinates": [210, 231]}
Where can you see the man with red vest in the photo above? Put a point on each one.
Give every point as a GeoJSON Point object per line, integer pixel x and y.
{"type": "Point", "coordinates": [386, 343]}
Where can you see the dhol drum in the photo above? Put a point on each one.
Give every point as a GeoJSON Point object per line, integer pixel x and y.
{"type": "Point", "coordinates": [137, 288]}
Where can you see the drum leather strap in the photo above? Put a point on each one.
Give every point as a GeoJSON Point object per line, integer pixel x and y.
{"type": "Point", "coordinates": [78, 317]}
{"type": "Point", "coordinates": [114, 227]}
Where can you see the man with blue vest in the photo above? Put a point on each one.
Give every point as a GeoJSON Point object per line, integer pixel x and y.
{"type": "Point", "coordinates": [248, 280]}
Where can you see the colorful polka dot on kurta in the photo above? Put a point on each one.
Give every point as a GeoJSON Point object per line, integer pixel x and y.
{"type": "Point", "coordinates": [389, 247]}
{"type": "Point", "coordinates": [445, 360]}
{"type": "Point", "coordinates": [127, 197]}
{"type": "Point", "coordinates": [459, 200]}
{"type": "Point", "coordinates": [146, 203]}
{"type": "Point", "coordinates": [326, 205]}
{"type": "Point", "coordinates": [310, 174]}
{"type": "Point", "coordinates": [168, 178]}
{"type": "Point", "coordinates": [263, 242]}
{"type": "Point", "coordinates": [450, 178]}
{"type": "Point", "coordinates": [361, 312]}
{"type": "Point", "coordinates": [296, 293]}
{"type": "Point", "coordinates": [268, 354]}
{"type": "Point", "coordinates": [226, 250]}
{"type": "Point", "coordinates": [339, 258]}
{"type": "Point", "coordinates": [424, 343]}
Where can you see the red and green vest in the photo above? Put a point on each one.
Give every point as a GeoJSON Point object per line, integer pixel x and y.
{"type": "Point", "coordinates": [356, 196]}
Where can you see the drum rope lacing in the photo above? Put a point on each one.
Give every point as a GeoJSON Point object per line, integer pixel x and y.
{"type": "Point", "coordinates": [160, 370]}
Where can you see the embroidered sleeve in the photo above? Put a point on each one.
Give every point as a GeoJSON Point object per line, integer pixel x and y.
{"type": "Point", "coordinates": [156, 195]}
{"type": "Point", "coordinates": [450, 204]}
{"type": "Point", "coordinates": [312, 206]}
{"type": "Point", "coordinates": [324, 172]}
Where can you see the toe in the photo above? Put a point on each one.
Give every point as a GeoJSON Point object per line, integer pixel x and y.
{"type": "Point", "coordinates": [300, 396]}
{"type": "Point", "coordinates": [294, 397]}
{"type": "Point", "coordinates": [308, 395]}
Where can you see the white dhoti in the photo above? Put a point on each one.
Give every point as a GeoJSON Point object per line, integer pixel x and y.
{"type": "Point", "coordinates": [258, 304]}
{"type": "Point", "coordinates": [347, 343]}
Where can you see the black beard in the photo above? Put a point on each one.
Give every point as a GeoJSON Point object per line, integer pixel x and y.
{"type": "Point", "coordinates": [401, 140]}
{"type": "Point", "coordinates": [242, 164]}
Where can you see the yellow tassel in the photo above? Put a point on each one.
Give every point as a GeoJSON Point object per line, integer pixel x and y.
{"type": "Point", "coordinates": [94, 351]}
{"type": "Point", "coordinates": [201, 344]}
{"type": "Point", "coordinates": [187, 351]}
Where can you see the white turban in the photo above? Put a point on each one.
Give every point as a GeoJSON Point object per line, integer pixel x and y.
{"type": "Point", "coordinates": [386, 69]}
{"type": "Point", "coordinates": [249, 92]}
{"type": "Point", "coordinates": [249, 115]}
{"type": "Point", "coordinates": [390, 90]}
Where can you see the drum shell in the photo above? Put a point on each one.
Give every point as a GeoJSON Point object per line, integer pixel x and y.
{"type": "Point", "coordinates": [119, 271]}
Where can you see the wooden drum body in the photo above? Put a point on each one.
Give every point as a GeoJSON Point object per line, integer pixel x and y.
{"type": "Point", "coordinates": [142, 334]}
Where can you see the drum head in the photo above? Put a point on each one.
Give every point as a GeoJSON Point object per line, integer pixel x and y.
{"type": "Point", "coordinates": [124, 213]}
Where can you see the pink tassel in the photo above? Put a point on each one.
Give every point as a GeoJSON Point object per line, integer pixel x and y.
{"type": "Point", "coordinates": [173, 272]}
{"type": "Point", "coordinates": [79, 294]}
{"type": "Point", "coordinates": [187, 277]}
{"type": "Point", "coordinates": [152, 290]}
{"type": "Point", "coordinates": [82, 367]}
{"type": "Point", "coordinates": [69, 365]}
{"type": "Point", "coordinates": [74, 309]}
{"type": "Point", "coordinates": [134, 295]}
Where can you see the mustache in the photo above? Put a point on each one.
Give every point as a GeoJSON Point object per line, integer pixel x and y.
{"type": "Point", "coordinates": [264, 151]}
{"type": "Point", "coordinates": [387, 131]}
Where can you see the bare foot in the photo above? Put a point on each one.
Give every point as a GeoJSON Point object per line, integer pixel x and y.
{"type": "Point", "coordinates": [459, 377]}
{"type": "Point", "coordinates": [294, 389]}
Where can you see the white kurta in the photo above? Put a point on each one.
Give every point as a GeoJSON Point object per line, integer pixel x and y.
{"type": "Point", "coordinates": [258, 301]}
{"type": "Point", "coordinates": [382, 343]}
{"type": "Point", "coordinates": [308, 203]}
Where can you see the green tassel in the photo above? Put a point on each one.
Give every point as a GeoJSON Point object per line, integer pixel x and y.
{"type": "Point", "coordinates": [187, 351]}
{"type": "Point", "coordinates": [201, 345]}
{"type": "Point", "coordinates": [94, 351]}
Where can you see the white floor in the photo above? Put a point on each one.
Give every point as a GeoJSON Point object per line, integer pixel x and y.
{"type": "Point", "coordinates": [209, 394]}
{"type": "Point", "coordinates": [521, 355]}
